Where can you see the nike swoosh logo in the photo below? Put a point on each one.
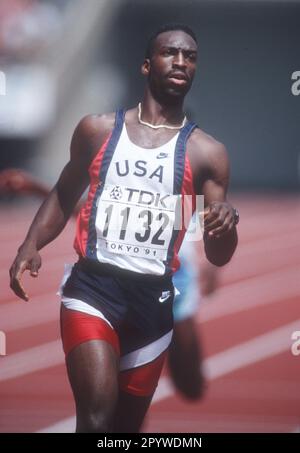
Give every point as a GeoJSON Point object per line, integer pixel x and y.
{"type": "Point", "coordinates": [163, 299]}
{"type": "Point", "coordinates": [162, 156]}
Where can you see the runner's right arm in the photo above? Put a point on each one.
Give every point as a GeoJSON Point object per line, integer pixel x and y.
{"type": "Point", "coordinates": [57, 208]}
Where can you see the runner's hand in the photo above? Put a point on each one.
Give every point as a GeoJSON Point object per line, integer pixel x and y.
{"type": "Point", "coordinates": [27, 258]}
{"type": "Point", "coordinates": [219, 219]}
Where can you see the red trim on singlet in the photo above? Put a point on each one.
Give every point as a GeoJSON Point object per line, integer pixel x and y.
{"type": "Point", "coordinates": [142, 381]}
{"type": "Point", "coordinates": [78, 327]}
{"type": "Point", "coordinates": [82, 222]}
{"type": "Point", "coordinates": [187, 189]}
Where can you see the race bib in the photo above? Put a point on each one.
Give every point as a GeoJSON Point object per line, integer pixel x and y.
{"type": "Point", "coordinates": [135, 222]}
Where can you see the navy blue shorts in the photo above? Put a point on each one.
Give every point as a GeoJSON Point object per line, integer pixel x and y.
{"type": "Point", "coordinates": [138, 307]}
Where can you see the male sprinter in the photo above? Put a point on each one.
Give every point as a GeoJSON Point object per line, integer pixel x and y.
{"type": "Point", "coordinates": [116, 313]}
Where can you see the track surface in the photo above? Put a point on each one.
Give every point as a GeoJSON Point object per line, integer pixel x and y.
{"type": "Point", "coordinates": [245, 328]}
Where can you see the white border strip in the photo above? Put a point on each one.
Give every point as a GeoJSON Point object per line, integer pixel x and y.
{"type": "Point", "coordinates": [146, 354]}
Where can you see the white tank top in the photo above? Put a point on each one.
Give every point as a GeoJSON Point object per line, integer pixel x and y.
{"type": "Point", "coordinates": [136, 210]}
{"type": "Point", "coordinates": [129, 218]}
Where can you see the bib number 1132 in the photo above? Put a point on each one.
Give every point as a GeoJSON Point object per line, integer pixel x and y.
{"type": "Point", "coordinates": [146, 220]}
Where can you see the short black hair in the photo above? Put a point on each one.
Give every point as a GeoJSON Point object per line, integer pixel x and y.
{"type": "Point", "coordinates": [163, 29]}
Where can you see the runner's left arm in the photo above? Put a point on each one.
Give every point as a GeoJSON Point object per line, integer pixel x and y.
{"type": "Point", "coordinates": [220, 233]}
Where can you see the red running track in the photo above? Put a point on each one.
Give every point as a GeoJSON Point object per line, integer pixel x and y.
{"type": "Point", "coordinates": [245, 327]}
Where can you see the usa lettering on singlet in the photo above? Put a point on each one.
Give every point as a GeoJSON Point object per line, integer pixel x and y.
{"type": "Point", "coordinates": [132, 219]}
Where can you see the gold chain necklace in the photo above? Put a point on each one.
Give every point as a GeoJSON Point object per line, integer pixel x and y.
{"type": "Point", "coordinates": [158, 126]}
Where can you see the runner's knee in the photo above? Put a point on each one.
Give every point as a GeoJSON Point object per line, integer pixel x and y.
{"type": "Point", "coordinates": [94, 422]}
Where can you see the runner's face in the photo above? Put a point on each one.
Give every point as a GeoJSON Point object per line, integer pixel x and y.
{"type": "Point", "coordinates": [172, 66]}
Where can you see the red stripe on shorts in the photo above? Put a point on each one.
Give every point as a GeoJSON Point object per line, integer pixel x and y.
{"type": "Point", "coordinates": [78, 327]}
{"type": "Point", "coordinates": [143, 380]}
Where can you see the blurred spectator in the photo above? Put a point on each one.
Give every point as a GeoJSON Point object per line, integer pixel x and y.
{"type": "Point", "coordinates": [27, 30]}
{"type": "Point", "coordinates": [27, 27]}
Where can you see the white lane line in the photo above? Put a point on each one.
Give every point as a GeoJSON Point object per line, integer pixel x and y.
{"type": "Point", "coordinates": [31, 360]}
{"type": "Point", "coordinates": [262, 245]}
{"type": "Point", "coordinates": [261, 256]}
{"type": "Point", "coordinates": [246, 353]}
{"type": "Point", "coordinates": [42, 309]}
{"type": "Point", "coordinates": [260, 348]}
{"type": "Point", "coordinates": [247, 294]}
